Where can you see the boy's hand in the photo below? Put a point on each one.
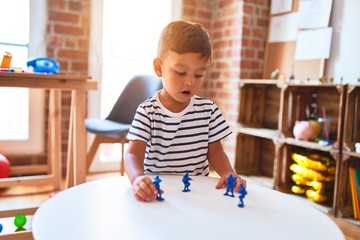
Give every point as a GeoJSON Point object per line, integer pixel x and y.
{"type": "Point", "coordinates": [144, 189]}
{"type": "Point", "coordinates": [223, 182]}
{"type": "Point", "coordinates": [239, 181]}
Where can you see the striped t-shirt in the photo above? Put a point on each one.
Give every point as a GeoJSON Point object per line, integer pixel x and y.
{"type": "Point", "coordinates": [178, 142]}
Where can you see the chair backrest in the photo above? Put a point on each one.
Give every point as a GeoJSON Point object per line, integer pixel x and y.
{"type": "Point", "coordinates": [138, 89]}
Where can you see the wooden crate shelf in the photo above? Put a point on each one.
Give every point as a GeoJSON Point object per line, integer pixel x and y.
{"type": "Point", "coordinates": [258, 127]}
{"type": "Point", "coordinates": [251, 161]}
{"type": "Point", "coordinates": [259, 104]}
{"type": "Point", "coordinates": [343, 205]}
{"type": "Point", "coordinates": [298, 101]}
{"type": "Point", "coordinates": [284, 182]}
{"type": "Point", "coordinates": [268, 111]}
{"type": "Point", "coordinates": [352, 122]}
{"type": "Point", "coordinates": [259, 132]}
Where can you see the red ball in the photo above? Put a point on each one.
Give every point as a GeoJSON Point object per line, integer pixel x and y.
{"type": "Point", "coordinates": [4, 167]}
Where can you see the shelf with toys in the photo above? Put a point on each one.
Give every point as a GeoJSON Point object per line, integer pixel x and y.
{"type": "Point", "coordinates": [345, 204]}
{"type": "Point", "coordinates": [297, 133]}
{"type": "Point", "coordinates": [309, 119]}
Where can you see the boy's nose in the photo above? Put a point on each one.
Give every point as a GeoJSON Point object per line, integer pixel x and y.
{"type": "Point", "coordinates": [189, 81]}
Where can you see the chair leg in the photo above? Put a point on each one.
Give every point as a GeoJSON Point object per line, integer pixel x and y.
{"type": "Point", "coordinates": [122, 165]}
{"type": "Point", "coordinates": [95, 145]}
{"type": "Point", "coordinates": [91, 154]}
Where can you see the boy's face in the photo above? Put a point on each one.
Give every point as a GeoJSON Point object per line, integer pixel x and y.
{"type": "Point", "coordinates": [182, 76]}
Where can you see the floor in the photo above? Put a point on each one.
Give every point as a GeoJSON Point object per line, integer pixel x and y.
{"type": "Point", "coordinates": [33, 196]}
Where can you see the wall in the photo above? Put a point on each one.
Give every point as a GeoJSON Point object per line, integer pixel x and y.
{"type": "Point", "coordinates": [344, 56]}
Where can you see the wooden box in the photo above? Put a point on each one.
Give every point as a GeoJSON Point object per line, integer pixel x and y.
{"type": "Point", "coordinates": [285, 175]}
{"type": "Point", "coordinates": [343, 204]}
{"type": "Point", "coordinates": [254, 156]}
{"type": "Point", "coordinates": [258, 127]}
{"type": "Point", "coordinates": [352, 113]}
{"type": "Point", "coordinates": [309, 101]}
{"type": "Point", "coordinates": [259, 104]}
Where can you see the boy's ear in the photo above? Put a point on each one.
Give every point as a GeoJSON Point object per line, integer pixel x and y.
{"type": "Point", "coordinates": [157, 67]}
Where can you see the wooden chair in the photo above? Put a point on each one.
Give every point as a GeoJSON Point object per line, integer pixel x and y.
{"type": "Point", "coordinates": [114, 128]}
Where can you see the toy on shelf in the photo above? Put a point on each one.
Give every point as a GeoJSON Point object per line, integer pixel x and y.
{"type": "Point", "coordinates": [357, 147]}
{"type": "Point", "coordinates": [186, 180]}
{"type": "Point", "coordinates": [313, 176]}
{"type": "Point", "coordinates": [306, 130]}
{"type": "Point", "coordinates": [156, 182]}
{"type": "Point", "coordinates": [6, 61]}
{"type": "Point", "coordinates": [292, 73]}
{"type": "Point", "coordinates": [6, 65]}
{"type": "Point", "coordinates": [13, 70]}
{"type": "Point", "coordinates": [4, 167]}
{"type": "Point", "coordinates": [230, 185]}
{"type": "Point", "coordinates": [43, 65]}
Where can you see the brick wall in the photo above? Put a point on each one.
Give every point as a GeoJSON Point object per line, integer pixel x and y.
{"type": "Point", "coordinates": [238, 31]}
{"type": "Point", "coordinates": [255, 22]}
{"type": "Point", "coordinates": [68, 34]}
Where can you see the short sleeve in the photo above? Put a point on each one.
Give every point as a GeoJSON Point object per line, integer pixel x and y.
{"type": "Point", "coordinates": [218, 128]}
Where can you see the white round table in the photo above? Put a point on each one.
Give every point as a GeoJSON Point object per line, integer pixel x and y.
{"type": "Point", "coordinates": [107, 209]}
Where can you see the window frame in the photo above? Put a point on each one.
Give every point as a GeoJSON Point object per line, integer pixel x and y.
{"type": "Point", "coordinates": [95, 70]}
{"type": "Point", "coordinates": [37, 47]}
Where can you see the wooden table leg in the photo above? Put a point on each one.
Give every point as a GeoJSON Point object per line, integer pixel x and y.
{"type": "Point", "coordinates": [54, 137]}
{"type": "Point", "coordinates": [70, 153]}
{"type": "Point", "coordinates": [79, 137]}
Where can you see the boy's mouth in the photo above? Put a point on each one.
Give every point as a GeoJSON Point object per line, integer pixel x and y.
{"type": "Point", "coordinates": [186, 92]}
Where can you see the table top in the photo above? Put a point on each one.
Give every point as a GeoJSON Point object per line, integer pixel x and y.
{"type": "Point", "coordinates": [47, 81]}
{"type": "Point", "coordinates": [107, 209]}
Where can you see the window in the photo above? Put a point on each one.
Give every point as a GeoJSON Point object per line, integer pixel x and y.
{"type": "Point", "coordinates": [129, 32]}
{"type": "Point", "coordinates": [21, 122]}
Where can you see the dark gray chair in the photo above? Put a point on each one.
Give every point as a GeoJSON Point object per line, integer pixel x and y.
{"type": "Point", "coordinates": [114, 128]}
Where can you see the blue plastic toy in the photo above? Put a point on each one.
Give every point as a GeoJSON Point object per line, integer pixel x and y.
{"type": "Point", "coordinates": [186, 180]}
{"type": "Point", "coordinates": [43, 65]}
{"type": "Point", "coordinates": [1, 227]}
{"type": "Point", "coordinates": [242, 194]}
{"type": "Point", "coordinates": [157, 181]}
{"type": "Point", "coordinates": [230, 185]}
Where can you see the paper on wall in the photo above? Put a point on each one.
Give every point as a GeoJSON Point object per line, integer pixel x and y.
{"type": "Point", "coordinates": [284, 28]}
{"type": "Point", "coordinates": [313, 44]}
{"type": "Point", "coordinates": [314, 13]}
{"type": "Point", "coordinates": [281, 6]}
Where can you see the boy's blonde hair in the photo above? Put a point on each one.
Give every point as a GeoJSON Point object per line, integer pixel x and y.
{"type": "Point", "coordinates": [185, 37]}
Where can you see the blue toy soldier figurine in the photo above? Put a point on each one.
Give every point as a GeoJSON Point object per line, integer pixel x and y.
{"type": "Point", "coordinates": [157, 181]}
{"type": "Point", "coordinates": [230, 185]}
{"type": "Point", "coordinates": [242, 193]}
{"type": "Point", "coordinates": [186, 182]}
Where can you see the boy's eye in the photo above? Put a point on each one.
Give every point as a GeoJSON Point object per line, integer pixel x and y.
{"type": "Point", "coordinates": [198, 75]}
{"type": "Point", "coordinates": [180, 73]}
